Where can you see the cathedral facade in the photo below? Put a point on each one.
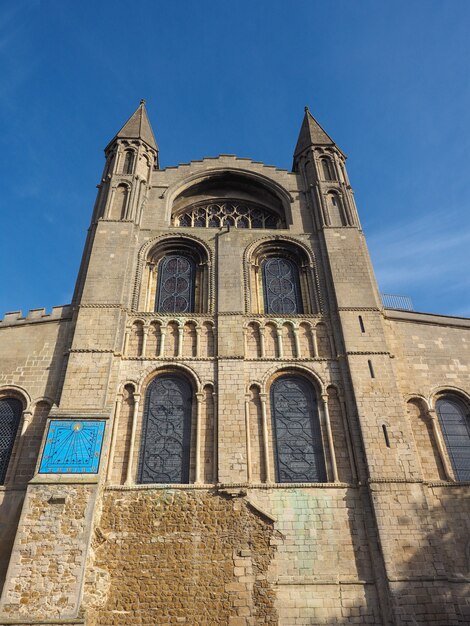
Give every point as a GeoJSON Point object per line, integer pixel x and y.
{"type": "Point", "coordinates": [227, 426]}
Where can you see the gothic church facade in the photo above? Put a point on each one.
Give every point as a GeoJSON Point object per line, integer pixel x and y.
{"type": "Point", "coordinates": [226, 426]}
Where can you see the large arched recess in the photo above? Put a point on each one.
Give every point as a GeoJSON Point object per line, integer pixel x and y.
{"type": "Point", "coordinates": [230, 183]}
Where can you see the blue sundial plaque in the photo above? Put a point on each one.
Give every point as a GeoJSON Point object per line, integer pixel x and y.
{"type": "Point", "coordinates": [72, 447]}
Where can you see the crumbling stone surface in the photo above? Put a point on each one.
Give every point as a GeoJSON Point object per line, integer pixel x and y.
{"type": "Point", "coordinates": [182, 557]}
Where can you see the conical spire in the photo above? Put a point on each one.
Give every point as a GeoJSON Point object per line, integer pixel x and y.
{"type": "Point", "coordinates": [311, 134]}
{"type": "Point", "coordinates": [138, 127]}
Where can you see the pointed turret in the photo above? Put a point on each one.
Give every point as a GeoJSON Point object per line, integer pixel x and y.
{"type": "Point", "coordinates": [311, 134]}
{"type": "Point", "coordinates": [322, 166]}
{"type": "Point", "coordinates": [138, 127]}
{"type": "Point", "coordinates": [131, 156]}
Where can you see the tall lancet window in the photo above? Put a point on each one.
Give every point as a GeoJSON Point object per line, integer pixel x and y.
{"type": "Point", "coordinates": [10, 415]}
{"type": "Point", "coordinates": [454, 418]}
{"type": "Point", "coordinates": [166, 439]}
{"type": "Point", "coordinates": [297, 434]}
{"type": "Point", "coordinates": [281, 286]}
{"type": "Point", "coordinates": [175, 293]}
{"type": "Point", "coordinates": [128, 162]}
{"type": "Point", "coordinates": [328, 173]}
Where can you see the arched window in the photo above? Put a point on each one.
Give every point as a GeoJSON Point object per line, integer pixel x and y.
{"type": "Point", "coordinates": [281, 286]}
{"type": "Point", "coordinates": [175, 293]}
{"type": "Point", "coordinates": [297, 434]}
{"type": "Point", "coordinates": [128, 162]}
{"type": "Point", "coordinates": [228, 213]}
{"type": "Point", "coordinates": [10, 415]}
{"type": "Point", "coordinates": [165, 450]}
{"type": "Point", "coordinates": [328, 173]}
{"type": "Point", "coordinates": [454, 419]}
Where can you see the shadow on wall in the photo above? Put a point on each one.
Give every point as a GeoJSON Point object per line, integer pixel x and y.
{"type": "Point", "coordinates": [435, 546]}
{"type": "Point", "coordinates": [21, 468]}
{"type": "Point", "coordinates": [10, 510]}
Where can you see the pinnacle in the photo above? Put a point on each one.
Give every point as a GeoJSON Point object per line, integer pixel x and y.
{"type": "Point", "coordinates": [138, 127]}
{"type": "Point", "coordinates": [311, 134]}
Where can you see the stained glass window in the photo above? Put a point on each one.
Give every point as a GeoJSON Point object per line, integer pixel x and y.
{"type": "Point", "coordinates": [281, 286]}
{"type": "Point", "coordinates": [175, 293]}
{"type": "Point", "coordinates": [297, 434]}
{"type": "Point", "coordinates": [10, 415]}
{"type": "Point", "coordinates": [166, 438]}
{"type": "Point", "coordinates": [215, 215]}
{"type": "Point", "coordinates": [454, 420]}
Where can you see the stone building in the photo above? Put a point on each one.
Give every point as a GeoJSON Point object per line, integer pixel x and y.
{"type": "Point", "coordinates": [226, 426]}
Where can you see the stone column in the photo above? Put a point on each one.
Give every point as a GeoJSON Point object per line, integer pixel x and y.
{"type": "Point", "coordinates": [126, 341]}
{"type": "Point", "coordinates": [144, 341]}
{"type": "Point", "coordinates": [117, 413]}
{"type": "Point", "coordinates": [297, 342]}
{"type": "Point", "coordinates": [26, 421]}
{"type": "Point", "coordinates": [248, 438]}
{"type": "Point", "coordinates": [262, 343]}
{"type": "Point", "coordinates": [161, 352]}
{"type": "Point", "coordinates": [130, 460]}
{"type": "Point", "coordinates": [264, 418]}
{"type": "Point", "coordinates": [440, 445]}
{"type": "Point", "coordinates": [329, 435]}
{"type": "Point", "coordinates": [179, 350]}
{"type": "Point", "coordinates": [280, 348]}
{"type": "Point", "coordinates": [313, 331]}
{"type": "Point", "coordinates": [197, 471]}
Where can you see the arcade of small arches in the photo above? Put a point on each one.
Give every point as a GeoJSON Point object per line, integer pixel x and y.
{"type": "Point", "coordinates": [264, 338]}
{"type": "Point", "coordinates": [277, 339]}
{"type": "Point", "coordinates": [166, 338]}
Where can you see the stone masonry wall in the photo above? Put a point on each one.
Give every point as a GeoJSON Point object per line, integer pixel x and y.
{"type": "Point", "coordinates": [168, 556]}
{"type": "Point", "coordinates": [45, 571]}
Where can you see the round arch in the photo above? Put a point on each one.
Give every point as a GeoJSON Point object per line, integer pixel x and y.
{"type": "Point", "coordinates": [179, 188]}
{"type": "Point", "coordinates": [294, 369]}
{"type": "Point", "coordinates": [152, 251]}
{"type": "Point", "coordinates": [451, 390]}
{"type": "Point", "coordinates": [298, 255]}
{"type": "Point", "coordinates": [15, 391]}
{"type": "Point", "coordinates": [149, 257]}
{"type": "Point", "coordinates": [177, 369]}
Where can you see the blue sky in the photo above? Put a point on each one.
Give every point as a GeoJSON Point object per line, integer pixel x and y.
{"type": "Point", "coordinates": [388, 80]}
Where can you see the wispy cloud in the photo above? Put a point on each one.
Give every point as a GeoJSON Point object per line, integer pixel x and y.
{"type": "Point", "coordinates": [427, 258]}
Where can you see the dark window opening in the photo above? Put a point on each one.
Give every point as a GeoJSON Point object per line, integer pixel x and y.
{"type": "Point", "coordinates": [165, 449]}
{"type": "Point", "coordinates": [454, 421]}
{"type": "Point", "coordinates": [281, 286]}
{"type": "Point", "coordinates": [175, 293]}
{"type": "Point", "coordinates": [10, 415]}
{"type": "Point", "coordinates": [297, 434]}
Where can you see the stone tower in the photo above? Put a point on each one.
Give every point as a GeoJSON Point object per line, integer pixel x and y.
{"type": "Point", "coordinates": [226, 426]}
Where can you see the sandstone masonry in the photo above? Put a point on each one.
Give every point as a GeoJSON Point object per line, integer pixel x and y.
{"type": "Point", "coordinates": [278, 447]}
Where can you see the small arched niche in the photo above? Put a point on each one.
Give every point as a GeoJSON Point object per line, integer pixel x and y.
{"type": "Point", "coordinates": [229, 199]}
{"type": "Point", "coordinates": [119, 202]}
{"type": "Point", "coordinates": [335, 209]}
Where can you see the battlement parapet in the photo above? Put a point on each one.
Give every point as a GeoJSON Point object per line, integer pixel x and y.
{"type": "Point", "coordinates": [15, 318]}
